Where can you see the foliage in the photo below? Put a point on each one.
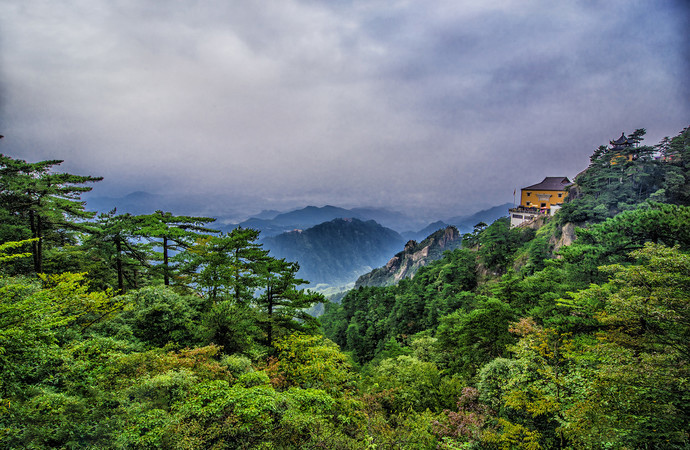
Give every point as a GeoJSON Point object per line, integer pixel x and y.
{"type": "Point", "coordinates": [47, 203]}
{"type": "Point", "coordinates": [280, 300]}
{"type": "Point", "coordinates": [369, 317]}
{"type": "Point", "coordinates": [468, 424]}
{"type": "Point", "coordinates": [499, 242]}
{"type": "Point", "coordinates": [643, 358]}
{"type": "Point", "coordinates": [307, 361]}
{"type": "Point", "coordinates": [12, 245]}
{"type": "Point", "coordinates": [158, 316]}
{"type": "Point", "coordinates": [472, 339]}
{"type": "Point", "coordinates": [227, 266]}
{"type": "Point", "coordinates": [173, 233]}
{"type": "Point", "coordinates": [616, 182]}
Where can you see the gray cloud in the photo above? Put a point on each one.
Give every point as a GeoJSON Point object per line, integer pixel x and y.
{"type": "Point", "coordinates": [423, 106]}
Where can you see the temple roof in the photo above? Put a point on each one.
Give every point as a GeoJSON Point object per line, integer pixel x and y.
{"type": "Point", "coordinates": [621, 141]}
{"type": "Point", "coordinates": [551, 184]}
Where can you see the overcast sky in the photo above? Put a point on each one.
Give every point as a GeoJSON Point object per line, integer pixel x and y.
{"type": "Point", "coordinates": [422, 106]}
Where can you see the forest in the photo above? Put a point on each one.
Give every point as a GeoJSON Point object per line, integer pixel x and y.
{"type": "Point", "coordinates": [157, 331]}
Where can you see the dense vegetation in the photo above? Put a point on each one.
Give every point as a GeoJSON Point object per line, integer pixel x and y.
{"type": "Point", "coordinates": [153, 331]}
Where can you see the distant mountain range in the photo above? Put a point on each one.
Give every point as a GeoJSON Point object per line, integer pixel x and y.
{"type": "Point", "coordinates": [334, 246]}
{"type": "Point", "coordinates": [310, 216]}
{"type": "Point", "coordinates": [424, 232]}
{"type": "Point", "coordinates": [272, 222]}
{"type": "Point", "coordinates": [336, 252]}
{"type": "Point", "coordinates": [464, 224]}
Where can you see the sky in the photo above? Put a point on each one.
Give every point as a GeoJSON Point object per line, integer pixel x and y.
{"type": "Point", "coordinates": [434, 108]}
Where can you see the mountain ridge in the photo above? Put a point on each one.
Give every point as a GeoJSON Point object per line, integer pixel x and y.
{"type": "Point", "coordinates": [336, 252]}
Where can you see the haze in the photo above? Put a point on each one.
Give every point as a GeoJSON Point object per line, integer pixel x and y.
{"type": "Point", "coordinates": [435, 108]}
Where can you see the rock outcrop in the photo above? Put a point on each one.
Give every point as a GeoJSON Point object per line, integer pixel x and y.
{"type": "Point", "coordinates": [415, 255]}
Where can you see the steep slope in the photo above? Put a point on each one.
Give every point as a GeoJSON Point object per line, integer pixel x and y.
{"type": "Point", "coordinates": [414, 256]}
{"type": "Point", "coordinates": [336, 252]}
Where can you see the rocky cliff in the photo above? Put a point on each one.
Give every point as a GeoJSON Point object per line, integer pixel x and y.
{"type": "Point", "coordinates": [413, 256]}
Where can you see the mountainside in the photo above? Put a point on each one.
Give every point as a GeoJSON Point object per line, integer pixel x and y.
{"type": "Point", "coordinates": [336, 252]}
{"type": "Point", "coordinates": [414, 256]}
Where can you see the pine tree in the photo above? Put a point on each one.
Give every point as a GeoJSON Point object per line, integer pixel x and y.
{"type": "Point", "coordinates": [48, 203]}
{"type": "Point", "coordinates": [176, 233]}
{"type": "Point", "coordinates": [281, 302]}
{"type": "Point", "coordinates": [226, 266]}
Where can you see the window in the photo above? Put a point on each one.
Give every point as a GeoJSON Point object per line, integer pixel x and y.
{"type": "Point", "coordinates": [560, 194]}
{"type": "Point", "coordinates": [528, 203]}
{"type": "Point", "coordinates": [529, 193]}
{"type": "Point", "coordinates": [543, 205]}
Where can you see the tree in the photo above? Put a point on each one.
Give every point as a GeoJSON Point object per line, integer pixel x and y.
{"type": "Point", "coordinates": [621, 179]}
{"type": "Point", "coordinates": [636, 391]}
{"type": "Point", "coordinates": [226, 266]}
{"type": "Point", "coordinates": [308, 361]}
{"type": "Point", "coordinates": [476, 337]}
{"type": "Point", "coordinates": [498, 243]}
{"type": "Point", "coordinates": [11, 245]}
{"type": "Point", "coordinates": [613, 240]}
{"type": "Point", "coordinates": [280, 300]}
{"type": "Point", "coordinates": [114, 246]}
{"type": "Point", "coordinates": [50, 203]}
{"type": "Point", "coordinates": [176, 233]}
{"type": "Point", "coordinates": [160, 316]}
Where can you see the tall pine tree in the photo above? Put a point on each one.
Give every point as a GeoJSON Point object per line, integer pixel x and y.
{"type": "Point", "coordinates": [48, 203]}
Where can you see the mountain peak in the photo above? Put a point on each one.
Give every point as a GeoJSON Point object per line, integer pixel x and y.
{"type": "Point", "coordinates": [336, 252]}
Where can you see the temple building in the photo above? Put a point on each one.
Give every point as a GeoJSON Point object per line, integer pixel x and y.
{"type": "Point", "coordinates": [623, 148]}
{"type": "Point", "coordinates": [539, 199]}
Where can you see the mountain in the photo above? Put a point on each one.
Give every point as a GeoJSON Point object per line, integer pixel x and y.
{"type": "Point", "coordinates": [310, 216]}
{"type": "Point", "coordinates": [415, 255]}
{"type": "Point", "coordinates": [336, 252]}
{"type": "Point", "coordinates": [298, 219]}
{"type": "Point", "coordinates": [267, 214]}
{"type": "Point", "coordinates": [465, 224]}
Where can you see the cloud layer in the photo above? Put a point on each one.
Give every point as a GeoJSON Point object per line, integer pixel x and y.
{"type": "Point", "coordinates": [425, 106]}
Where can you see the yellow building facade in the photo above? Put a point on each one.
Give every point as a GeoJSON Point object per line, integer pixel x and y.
{"type": "Point", "coordinates": [544, 195]}
{"type": "Point", "coordinates": [541, 198]}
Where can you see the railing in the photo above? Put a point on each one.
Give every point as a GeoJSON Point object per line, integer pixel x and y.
{"type": "Point", "coordinates": [528, 210]}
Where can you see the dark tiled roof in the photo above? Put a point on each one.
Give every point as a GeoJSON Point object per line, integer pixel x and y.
{"type": "Point", "coordinates": [621, 142]}
{"type": "Point", "coordinates": [551, 184]}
